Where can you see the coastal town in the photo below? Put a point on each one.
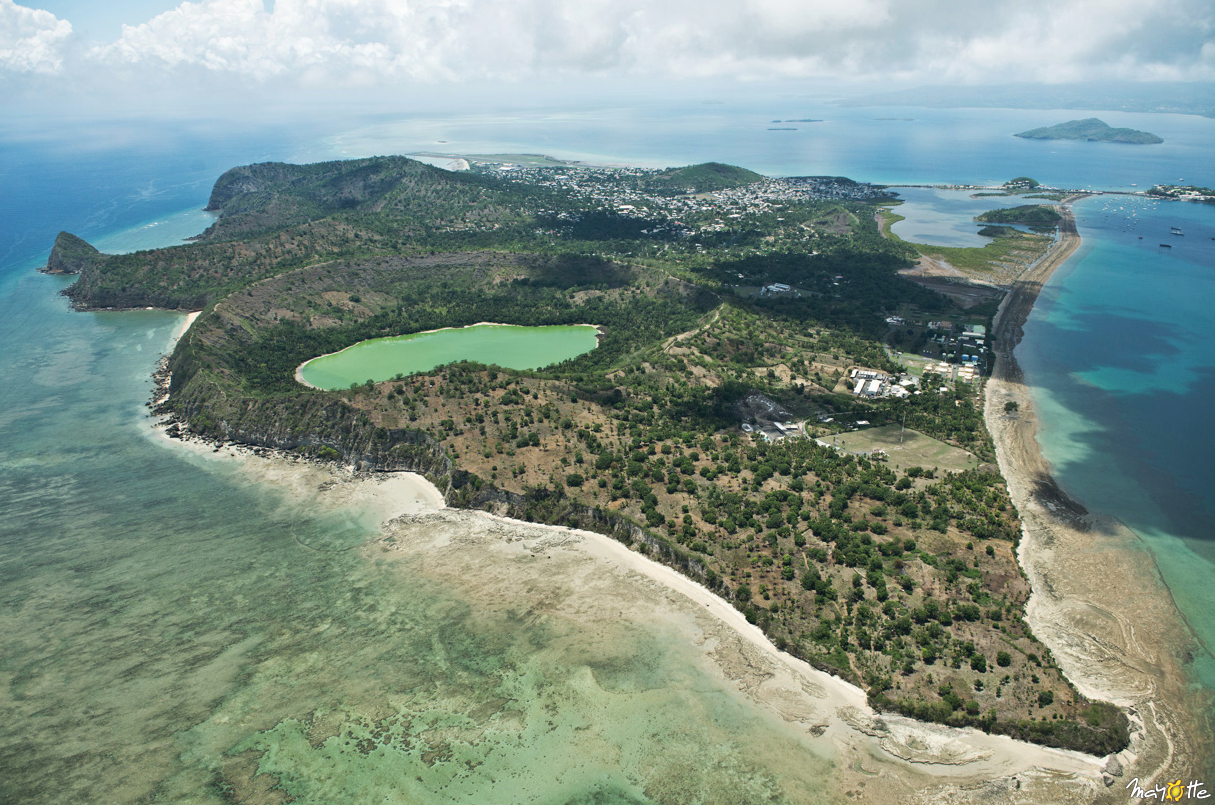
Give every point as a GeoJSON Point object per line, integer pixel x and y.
{"type": "Point", "coordinates": [623, 191]}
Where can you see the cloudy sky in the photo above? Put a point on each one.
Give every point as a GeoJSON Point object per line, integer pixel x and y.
{"type": "Point", "coordinates": [266, 46]}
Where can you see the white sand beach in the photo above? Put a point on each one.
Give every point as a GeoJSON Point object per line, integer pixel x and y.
{"type": "Point", "coordinates": [590, 578]}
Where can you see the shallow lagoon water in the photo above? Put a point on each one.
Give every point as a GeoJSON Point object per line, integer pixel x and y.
{"type": "Point", "coordinates": [174, 627]}
{"type": "Point", "coordinates": [939, 217]}
{"type": "Point", "coordinates": [497, 344]}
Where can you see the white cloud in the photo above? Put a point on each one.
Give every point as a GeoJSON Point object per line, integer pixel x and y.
{"type": "Point", "coordinates": [31, 40]}
{"type": "Point", "coordinates": [336, 37]}
{"type": "Point", "coordinates": [340, 42]}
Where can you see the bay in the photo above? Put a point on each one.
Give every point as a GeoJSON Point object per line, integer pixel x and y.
{"type": "Point", "coordinates": [941, 217]}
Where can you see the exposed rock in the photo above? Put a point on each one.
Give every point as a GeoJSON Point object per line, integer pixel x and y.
{"type": "Point", "coordinates": [759, 409]}
{"type": "Point", "coordinates": [71, 255]}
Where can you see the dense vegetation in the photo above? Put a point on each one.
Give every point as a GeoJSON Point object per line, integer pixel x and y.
{"type": "Point", "coordinates": [71, 255]}
{"type": "Point", "coordinates": [1091, 129]}
{"type": "Point", "coordinates": [899, 577]}
{"type": "Point", "coordinates": [703, 178]}
{"type": "Point", "coordinates": [1025, 214]}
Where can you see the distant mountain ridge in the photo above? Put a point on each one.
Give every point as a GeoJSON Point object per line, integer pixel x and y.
{"type": "Point", "coordinates": [1162, 97]}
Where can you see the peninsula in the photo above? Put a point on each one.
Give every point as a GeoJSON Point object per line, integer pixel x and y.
{"type": "Point", "coordinates": [1041, 214]}
{"type": "Point", "coordinates": [1091, 130]}
{"type": "Point", "coordinates": [740, 420]}
{"type": "Point", "coordinates": [1183, 192]}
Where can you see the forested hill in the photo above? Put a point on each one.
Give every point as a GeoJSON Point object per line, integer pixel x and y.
{"type": "Point", "coordinates": [1024, 214]}
{"type": "Point", "coordinates": [71, 255]}
{"type": "Point", "coordinates": [272, 195]}
{"type": "Point", "coordinates": [703, 178]}
{"type": "Point", "coordinates": [275, 217]}
{"type": "Point", "coordinates": [1092, 130]}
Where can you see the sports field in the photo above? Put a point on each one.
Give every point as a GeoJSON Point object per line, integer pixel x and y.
{"type": "Point", "coordinates": [912, 450]}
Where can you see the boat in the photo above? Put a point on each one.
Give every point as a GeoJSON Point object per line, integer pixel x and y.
{"type": "Point", "coordinates": [1166, 246]}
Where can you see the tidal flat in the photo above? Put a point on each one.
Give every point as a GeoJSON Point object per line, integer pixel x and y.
{"type": "Point", "coordinates": [184, 627]}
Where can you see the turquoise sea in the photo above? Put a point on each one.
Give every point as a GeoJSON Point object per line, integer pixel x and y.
{"type": "Point", "coordinates": [1119, 352]}
{"type": "Point", "coordinates": [164, 616]}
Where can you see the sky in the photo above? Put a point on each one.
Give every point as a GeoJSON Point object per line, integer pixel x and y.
{"type": "Point", "coordinates": [125, 51]}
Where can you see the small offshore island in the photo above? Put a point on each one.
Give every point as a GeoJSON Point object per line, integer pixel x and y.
{"type": "Point", "coordinates": [741, 419]}
{"type": "Point", "coordinates": [1091, 130]}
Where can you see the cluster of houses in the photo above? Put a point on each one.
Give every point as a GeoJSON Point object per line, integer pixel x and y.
{"type": "Point", "coordinates": [1184, 192]}
{"type": "Point", "coordinates": [964, 344]}
{"type": "Point", "coordinates": [870, 383]}
{"type": "Point", "coordinates": [805, 188]}
{"type": "Point", "coordinates": [617, 189]}
{"type": "Point", "coordinates": [777, 288]}
{"type": "Point", "coordinates": [971, 345]}
{"type": "Point", "coordinates": [967, 373]}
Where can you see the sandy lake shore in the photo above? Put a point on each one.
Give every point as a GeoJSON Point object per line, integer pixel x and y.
{"type": "Point", "coordinates": [1098, 601]}
{"type": "Point", "coordinates": [299, 370]}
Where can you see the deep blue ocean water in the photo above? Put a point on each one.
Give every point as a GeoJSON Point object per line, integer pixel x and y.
{"type": "Point", "coordinates": [1119, 351]}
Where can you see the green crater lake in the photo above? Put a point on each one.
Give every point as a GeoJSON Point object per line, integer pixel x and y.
{"type": "Point", "coordinates": [503, 345]}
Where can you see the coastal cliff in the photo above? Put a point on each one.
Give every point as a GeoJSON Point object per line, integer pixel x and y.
{"type": "Point", "coordinates": [72, 255]}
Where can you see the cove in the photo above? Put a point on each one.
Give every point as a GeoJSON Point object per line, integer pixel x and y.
{"type": "Point", "coordinates": [504, 345]}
